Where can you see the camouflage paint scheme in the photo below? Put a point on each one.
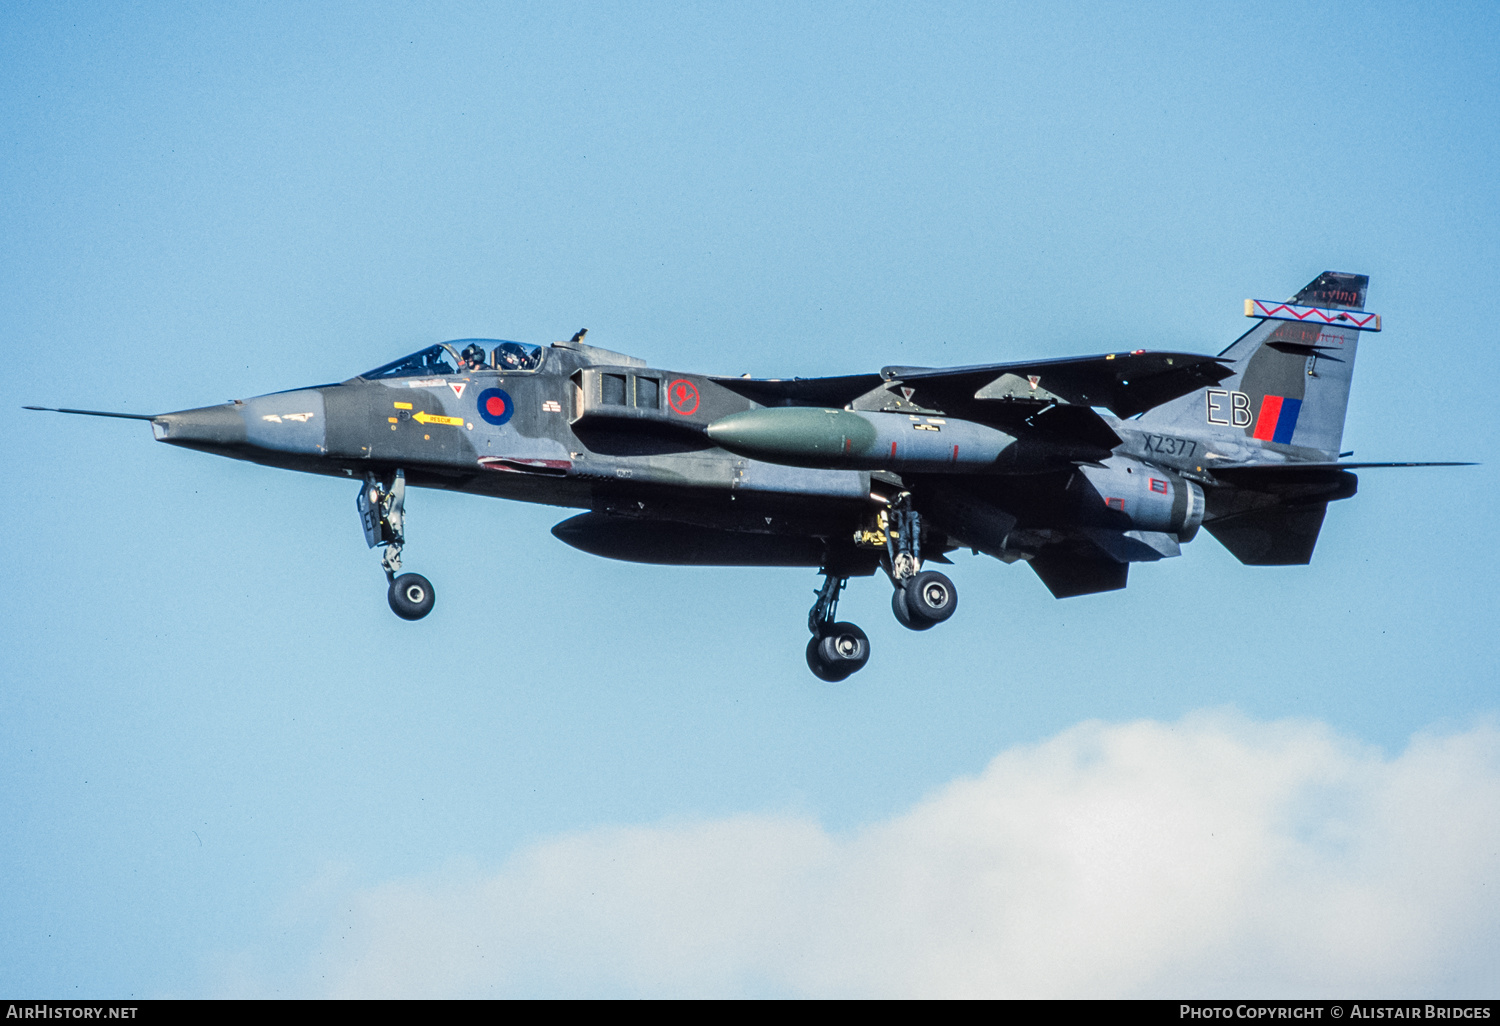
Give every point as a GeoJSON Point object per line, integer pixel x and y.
{"type": "Point", "coordinates": [560, 446]}
{"type": "Point", "coordinates": [1079, 467]}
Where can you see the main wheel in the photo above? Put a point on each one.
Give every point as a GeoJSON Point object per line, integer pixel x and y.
{"type": "Point", "coordinates": [815, 663]}
{"type": "Point", "coordinates": [903, 615]}
{"type": "Point", "coordinates": [845, 645]}
{"type": "Point", "coordinates": [842, 649]}
{"type": "Point", "coordinates": [411, 596]}
{"type": "Point", "coordinates": [930, 598]}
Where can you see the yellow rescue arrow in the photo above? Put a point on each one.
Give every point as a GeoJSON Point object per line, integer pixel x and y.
{"type": "Point", "coordinates": [432, 418]}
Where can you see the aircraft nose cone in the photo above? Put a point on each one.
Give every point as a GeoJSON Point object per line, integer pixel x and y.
{"type": "Point", "coordinates": [211, 427]}
{"type": "Point", "coordinates": [287, 422]}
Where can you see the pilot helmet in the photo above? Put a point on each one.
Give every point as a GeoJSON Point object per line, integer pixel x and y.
{"type": "Point", "coordinates": [474, 355]}
{"type": "Point", "coordinates": [508, 354]}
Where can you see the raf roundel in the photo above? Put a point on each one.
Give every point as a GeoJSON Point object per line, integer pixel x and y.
{"type": "Point", "coordinates": [495, 406]}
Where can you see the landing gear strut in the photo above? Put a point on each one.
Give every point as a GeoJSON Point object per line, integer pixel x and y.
{"type": "Point", "coordinates": [923, 598]}
{"type": "Point", "coordinates": [836, 649]}
{"type": "Point", "coordinates": [381, 504]}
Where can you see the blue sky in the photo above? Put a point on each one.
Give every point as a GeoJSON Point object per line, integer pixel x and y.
{"type": "Point", "coordinates": [226, 768]}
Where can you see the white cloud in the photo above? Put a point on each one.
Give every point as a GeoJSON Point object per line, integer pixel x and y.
{"type": "Point", "coordinates": [1212, 856]}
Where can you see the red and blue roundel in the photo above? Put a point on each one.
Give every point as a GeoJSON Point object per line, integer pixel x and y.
{"type": "Point", "coordinates": [495, 406]}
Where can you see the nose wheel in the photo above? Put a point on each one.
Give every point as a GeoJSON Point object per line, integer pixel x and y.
{"type": "Point", "coordinates": [410, 596]}
{"type": "Point", "coordinates": [381, 506]}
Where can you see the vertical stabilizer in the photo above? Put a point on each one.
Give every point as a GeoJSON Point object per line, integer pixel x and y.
{"type": "Point", "coordinates": [1292, 372]}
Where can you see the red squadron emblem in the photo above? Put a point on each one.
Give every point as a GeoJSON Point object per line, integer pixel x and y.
{"type": "Point", "coordinates": [683, 395]}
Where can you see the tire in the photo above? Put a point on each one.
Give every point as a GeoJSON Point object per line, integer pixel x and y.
{"type": "Point", "coordinates": [842, 649]}
{"type": "Point", "coordinates": [903, 615]}
{"type": "Point", "coordinates": [845, 648]}
{"type": "Point", "coordinates": [820, 669]}
{"type": "Point", "coordinates": [930, 598]}
{"type": "Point", "coordinates": [410, 596]}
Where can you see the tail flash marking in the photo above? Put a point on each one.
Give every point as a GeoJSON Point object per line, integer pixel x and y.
{"type": "Point", "coordinates": [1278, 419]}
{"type": "Point", "coordinates": [1357, 319]}
{"type": "Point", "coordinates": [1270, 413]}
{"type": "Point", "coordinates": [1287, 422]}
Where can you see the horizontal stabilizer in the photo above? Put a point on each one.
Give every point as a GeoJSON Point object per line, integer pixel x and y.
{"type": "Point", "coordinates": [1272, 475]}
{"type": "Point", "coordinates": [1273, 537]}
{"type": "Point", "coordinates": [1292, 468]}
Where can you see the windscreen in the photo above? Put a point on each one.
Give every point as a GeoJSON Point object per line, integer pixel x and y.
{"type": "Point", "coordinates": [438, 359]}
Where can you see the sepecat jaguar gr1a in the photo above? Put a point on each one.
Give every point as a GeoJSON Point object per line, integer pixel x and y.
{"type": "Point", "coordinates": [1076, 467]}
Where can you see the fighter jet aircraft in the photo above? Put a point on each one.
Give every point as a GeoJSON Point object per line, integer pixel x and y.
{"type": "Point", "coordinates": [1076, 467]}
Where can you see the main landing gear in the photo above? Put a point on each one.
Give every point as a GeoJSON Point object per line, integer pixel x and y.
{"type": "Point", "coordinates": [836, 649]}
{"type": "Point", "coordinates": [381, 503]}
{"type": "Point", "coordinates": [923, 598]}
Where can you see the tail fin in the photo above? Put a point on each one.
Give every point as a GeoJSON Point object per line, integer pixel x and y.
{"type": "Point", "coordinates": [1290, 386]}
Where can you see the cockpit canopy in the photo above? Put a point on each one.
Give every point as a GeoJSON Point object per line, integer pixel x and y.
{"type": "Point", "coordinates": [461, 356]}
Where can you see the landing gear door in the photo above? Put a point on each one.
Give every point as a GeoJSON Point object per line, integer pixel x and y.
{"type": "Point", "coordinates": [368, 504]}
{"type": "Point", "coordinates": [381, 510]}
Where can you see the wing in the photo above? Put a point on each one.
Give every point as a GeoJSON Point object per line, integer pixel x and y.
{"type": "Point", "coordinates": [1053, 396]}
{"type": "Point", "coordinates": [803, 391]}
{"type": "Point", "coordinates": [1123, 383]}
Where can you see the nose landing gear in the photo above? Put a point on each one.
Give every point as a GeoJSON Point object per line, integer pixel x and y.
{"type": "Point", "coordinates": [381, 505]}
{"type": "Point", "coordinates": [836, 649]}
